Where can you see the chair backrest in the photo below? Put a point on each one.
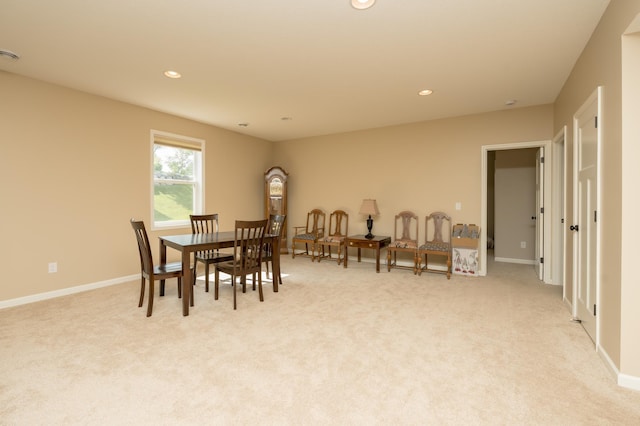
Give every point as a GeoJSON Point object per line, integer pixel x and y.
{"type": "Point", "coordinates": [204, 223]}
{"type": "Point", "coordinates": [146, 259]}
{"type": "Point", "coordinates": [441, 226]}
{"type": "Point", "coordinates": [338, 223]}
{"type": "Point", "coordinates": [408, 226]}
{"type": "Point", "coordinates": [248, 245]}
{"type": "Point", "coordinates": [276, 223]}
{"type": "Point", "coordinates": [315, 222]}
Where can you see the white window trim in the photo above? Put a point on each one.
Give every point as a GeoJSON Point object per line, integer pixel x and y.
{"type": "Point", "coordinates": [156, 135]}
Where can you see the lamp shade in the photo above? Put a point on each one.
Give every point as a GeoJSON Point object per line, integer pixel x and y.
{"type": "Point", "coordinates": [369, 207]}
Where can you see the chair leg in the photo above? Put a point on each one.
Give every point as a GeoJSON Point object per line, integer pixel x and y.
{"type": "Point", "coordinates": [161, 287]}
{"type": "Point", "coordinates": [150, 304]}
{"type": "Point", "coordinates": [141, 293]}
{"type": "Point", "coordinates": [235, 287]}
{"type": "Point", "coordinates": [260, 287]}
{"type": "Point", "coordinates": [179, 288]}
{"type": "Point", "coordinates": [206, 277]}
{"type": "Point", "coordinates": [215, 283]}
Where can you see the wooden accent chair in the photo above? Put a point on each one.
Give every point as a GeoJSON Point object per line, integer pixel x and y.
{"type": "Point", "coordinates": [152, 272]}
{"type": "Point", "coordinates": [206, 224]}
{"type": "Point", "coordinates": [405, 240]}
{"type": "Point", "coordinates": [247, 257]}
{"type": "Point", "coordinates": [338, 229]}
{"type": "Point", "coordinates": [437, 242]}
{"type": "Point", "coordinates": [309, 234]}
{"type": "Point", "coordinates": [274, 227]}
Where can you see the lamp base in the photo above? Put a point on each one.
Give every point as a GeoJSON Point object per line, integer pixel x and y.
{"type": "Point", "coordinates": [369, 226]}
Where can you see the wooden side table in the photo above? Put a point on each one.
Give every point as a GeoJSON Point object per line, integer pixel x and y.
{"type": "Point", "coordinates": [359, 241]}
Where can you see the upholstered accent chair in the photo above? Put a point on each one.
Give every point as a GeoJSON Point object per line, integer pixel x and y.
{"type": "Point", "coordinates": [437, 236]}
{"type": "Point", "coordinates": [338, 229]}
{"type": "Point", "coordinates": [309, 234]}
{"type": "Point", "coordinates": [405, 240]}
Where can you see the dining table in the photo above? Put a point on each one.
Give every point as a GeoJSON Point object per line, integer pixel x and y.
{"type": "Point", "coordinates": [190, 243]}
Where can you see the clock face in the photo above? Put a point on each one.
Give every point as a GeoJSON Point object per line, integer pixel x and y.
{"type": "Point", "coordinates": [275, 188]}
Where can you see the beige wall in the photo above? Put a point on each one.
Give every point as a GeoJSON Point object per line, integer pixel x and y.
{"type": "Point", "coordinates": [600, 65]}
{"type": "Point", "coordinates": [74, 168]}
{"type": "Point", "coordinates": [422, 167]}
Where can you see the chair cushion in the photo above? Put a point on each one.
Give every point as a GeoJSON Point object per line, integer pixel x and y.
{"type": "Point", "coordinates": [311, 237]}
{"type": "Point", "coordinates": [333, 239]}
{"type": "Point", "coordinates": [435, 246]}
{"type": "Point", "coordinates": [404, 244]}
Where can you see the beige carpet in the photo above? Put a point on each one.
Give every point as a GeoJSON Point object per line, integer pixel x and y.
{"type": "Point", "coordinates": [334, 346]}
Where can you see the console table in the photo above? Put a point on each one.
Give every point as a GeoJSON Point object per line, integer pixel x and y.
{"type": "Point", "coordinates": [359, 241]}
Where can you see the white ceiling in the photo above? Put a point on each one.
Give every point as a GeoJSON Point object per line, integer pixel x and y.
{"type": "Point", "coordinates": [328, 66]}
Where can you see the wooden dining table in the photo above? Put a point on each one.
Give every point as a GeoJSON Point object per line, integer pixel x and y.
{"type": "Point", "coordinates": [190, 243]}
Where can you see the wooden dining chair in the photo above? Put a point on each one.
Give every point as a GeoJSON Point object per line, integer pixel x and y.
{"type": "Point", "coordinates": [274, 227]}
{"type": "Point", "coordinates": [437, 242]}
{"type": "Point", "coordinates": [309, 234]}
{"type": "Point", "coordinates": [405, 240]}
{"type": "Point", "coordinates": [206, 224]}
{"type": "Point", "coordinates": [247, 257]}
{"type": "Point", "coordinates": [152, 272]}
{"type": "Point", "coordinates": [338, 230]}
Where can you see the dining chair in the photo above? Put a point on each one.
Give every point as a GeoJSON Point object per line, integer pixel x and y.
{"type": "Point", "coordinates": [152, 272]}
{"type": "Point", "coordinates": [437, 236]}
{"type": "Point", "coordinates": [247, 257]}
{"type": "Point", "coordinates": [338, 229]}
{"type": "Point", "coordinates": [405, 240]}
{"type": "Point", "coordinates": [274, 227]}
{"type": "Point", "coordinates": [206, 224]}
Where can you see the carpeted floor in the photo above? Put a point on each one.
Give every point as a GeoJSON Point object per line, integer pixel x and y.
{"type": "Point", "coordinates": [333, 346]}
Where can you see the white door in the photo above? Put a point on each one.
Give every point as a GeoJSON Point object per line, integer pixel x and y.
{"type": "Point", "coordinates": [539, 214]}
{"type": "Point", "coordinates": [584, 226]}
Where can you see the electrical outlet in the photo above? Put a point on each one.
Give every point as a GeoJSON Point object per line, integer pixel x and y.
{"type": "Point", "coordinates": [53, 267]}
{"type": "Point", "coordinates": [458, 205]}
{"type": "Point", "coordinates": [523, 244]}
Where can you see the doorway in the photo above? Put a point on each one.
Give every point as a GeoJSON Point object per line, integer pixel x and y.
{"type": "Point", "coordinates": [546, 202]}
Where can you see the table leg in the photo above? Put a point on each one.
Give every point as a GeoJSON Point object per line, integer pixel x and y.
{"type": "Point", "coordinates": [378, 259]}
{"type": "Point", "coordinates": [358, 254]}
{"type": "Point", "coordinates": [346, 254]}
{"type": "Point", "coordinates": [163, 260]}
{"type": "Point", "coordinates": [186, 281]}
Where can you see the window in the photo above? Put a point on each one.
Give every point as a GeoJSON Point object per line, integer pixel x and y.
{"type": "Point", "coordinates": [178, 179]}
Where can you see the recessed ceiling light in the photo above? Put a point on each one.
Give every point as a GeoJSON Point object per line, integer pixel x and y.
{"type": "Point", "coordinates": [510, 102]}
{"type": "Point", "coordinates": [425, 92]}
{"type": "Point", "coordinates": [9, 54]}
{"type": "Point", "coordinates": [362, 4]}
{"type": "Point", "coordinates": [243, 124]}
{"type": "Point", "coordinates": [172, 74]}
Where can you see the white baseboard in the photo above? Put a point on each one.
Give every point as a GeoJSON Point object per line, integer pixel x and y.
{"type": "Point", "coordinates": [65, 291]}
{"type": "Point", "coordinates": [624, 380]}
{"type": "Point", "coordinates": [510, 260]}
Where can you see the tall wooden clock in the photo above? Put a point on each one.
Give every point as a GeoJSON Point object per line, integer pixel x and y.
{"type": "Point", "coordinates": [275, 198]}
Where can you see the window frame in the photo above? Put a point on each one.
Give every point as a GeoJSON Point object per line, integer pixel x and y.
{"type": "Point", "coordinates": [178, 141]}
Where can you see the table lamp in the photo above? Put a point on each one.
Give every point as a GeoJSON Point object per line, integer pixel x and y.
{"type": "Point", "coordinates": [370, 208]}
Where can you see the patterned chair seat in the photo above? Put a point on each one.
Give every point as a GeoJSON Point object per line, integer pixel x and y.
{"type": "Point", "coordinates": [404, 244]}
{"type": "Point", "coordinates": [436, 246]}
{"type": "Point", "coordinates": [309, 237]}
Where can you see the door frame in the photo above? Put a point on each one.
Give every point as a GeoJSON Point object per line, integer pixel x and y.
{"type": "Point", "coordinates": [546, 144]}
{"type": "Point", "coordinates": [559, 220]}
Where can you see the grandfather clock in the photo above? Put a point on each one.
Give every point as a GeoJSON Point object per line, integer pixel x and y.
{"type": "Point", "coordinates": [275, 198]}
